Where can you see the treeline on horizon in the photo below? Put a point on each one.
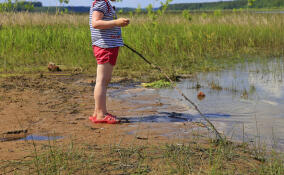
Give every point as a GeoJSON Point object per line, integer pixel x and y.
{"type": "Point", "coordinates": [19, 6]}
{"type": "Point", "coordinates": [236, 4]}
{"type": "Point", "coordinates": [38, 7]}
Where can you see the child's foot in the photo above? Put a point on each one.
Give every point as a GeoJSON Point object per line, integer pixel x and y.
{"type": "Point", "coordinates": [92, 118]}
{"type": "Point", "coordinates": [108, 119]}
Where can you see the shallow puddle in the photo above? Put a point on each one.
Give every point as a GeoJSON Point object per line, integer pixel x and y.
{"type": "Point", "coordinates": [162, 117]}
{"type": "Point", "coordinates": [24, 135]}
{"type": "Point", "coordinates": [245, 103]}
{"type": "Point", "coordinates": [41, 138]}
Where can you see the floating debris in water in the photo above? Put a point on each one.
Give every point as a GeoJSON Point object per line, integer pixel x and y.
{"type": "Point", "coordinates": [200, 95]}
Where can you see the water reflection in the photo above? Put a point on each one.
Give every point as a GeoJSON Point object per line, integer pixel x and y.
{"type": "Point", "coordinates": [168, 117]}
{"type": "Point", "coordinates": [41, 138]}
{"type": "Point", "coordinates": [245, 103]}
{"type": "Point", "coordinates": [252, 94]}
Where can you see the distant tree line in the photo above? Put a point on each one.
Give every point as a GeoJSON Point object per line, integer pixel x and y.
{"type": "Point", "coordinates": [236, 4]}
{"type": "Point", "coordinates": [19, 6]}
{"type": "Point", "coordinates": [268, 3]}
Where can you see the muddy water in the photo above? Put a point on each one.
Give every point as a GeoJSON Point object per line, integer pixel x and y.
{"type": "Point", "coordinates": [148, 106]}
{"type": "Point", "coordinates": [246, 103]}
{"type": "Point", "coordinates": [41, 138]}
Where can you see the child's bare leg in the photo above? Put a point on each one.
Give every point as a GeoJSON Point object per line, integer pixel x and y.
{"type": "Point", "coordinates": [104, 73]}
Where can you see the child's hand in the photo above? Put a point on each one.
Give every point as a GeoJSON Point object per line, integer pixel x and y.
{"type": "Point", "coordinates": [122, 22]}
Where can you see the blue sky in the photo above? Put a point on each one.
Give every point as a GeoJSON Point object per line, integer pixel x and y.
{"type": "Point", "coordinates": [124, 3]}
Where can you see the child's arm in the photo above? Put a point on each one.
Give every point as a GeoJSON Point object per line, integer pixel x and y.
{"type": "Point", "coordinates": [98, 23]}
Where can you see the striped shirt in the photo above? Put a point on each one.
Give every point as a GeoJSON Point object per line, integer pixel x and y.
{"type": "Point", "coordinates": [105, 38]}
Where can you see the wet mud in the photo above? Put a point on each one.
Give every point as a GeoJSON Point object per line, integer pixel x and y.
{"type": "Point", "coordinates": [37, 109]}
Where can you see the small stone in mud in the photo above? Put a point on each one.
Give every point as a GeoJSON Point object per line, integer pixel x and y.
{"type": "Point", "coordinates": [201, 95]}
{"type": "Point", "coordinates": [75, 111]}
{"type": "Point", "coordinates": [73, 123]}
{"type": "Point", "coordinates": [92, 82]}
{"type": "Point", "coordinates": [41, 75]}
{"type": "Point", "coordinates": [80, 119]}
{"type": "Point", "coordinates": [53, 67]}
{"type": "Point", "coordinates": [141, 138]}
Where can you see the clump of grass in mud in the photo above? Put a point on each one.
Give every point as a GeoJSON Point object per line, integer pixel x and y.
{"type": "Point", "coordinates": [158, 84]}
{"type": "Point", "coordinates": [186, 158]}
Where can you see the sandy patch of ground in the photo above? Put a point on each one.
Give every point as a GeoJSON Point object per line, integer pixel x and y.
{"type": "Point", "coordinates": [59, 105]}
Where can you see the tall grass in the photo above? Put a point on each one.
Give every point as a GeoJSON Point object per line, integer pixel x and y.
{"type": "Point", "coordinates": [188, 158]}
{"type": "Point", "coordinates": [207, 42]}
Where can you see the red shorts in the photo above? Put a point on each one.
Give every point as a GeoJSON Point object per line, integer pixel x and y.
{"type": "Point", "coordinates": [106, 55]}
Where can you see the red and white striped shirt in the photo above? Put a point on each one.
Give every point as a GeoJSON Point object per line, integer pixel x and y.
{"type": "Point", "coordinates": [105, 38]}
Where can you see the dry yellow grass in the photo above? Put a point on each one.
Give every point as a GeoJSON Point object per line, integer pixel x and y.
{"type": "Point", "coordinates": [240, 19]}
{"type": "Point", "coordinates": [24, 18]}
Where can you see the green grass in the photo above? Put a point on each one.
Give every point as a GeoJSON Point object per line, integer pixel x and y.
{"type": "Point", "coordinates": [177, 45]}
{"type": "Point", "coordinates": [187, 158]}
{"type": "Point", "coordinates": [158, 84]}
{"type": "Point", "coordinates": [28, 42]}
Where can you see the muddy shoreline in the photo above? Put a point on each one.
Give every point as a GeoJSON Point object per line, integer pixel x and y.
{"type": "Point", "coordinates": [54, 105]}
{"type": "Point", "coordinates": [44, 122]}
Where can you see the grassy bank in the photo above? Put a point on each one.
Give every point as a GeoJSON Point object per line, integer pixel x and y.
{"type": "Point", "coordinates": [207, 42]}
{"type": "Point", "coordinates": [188, 158]}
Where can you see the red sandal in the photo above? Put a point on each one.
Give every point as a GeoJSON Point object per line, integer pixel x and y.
{"type": "Point", "coordinates": [92, 118]}
{"type": "Point", "coordinates": [109, 119]}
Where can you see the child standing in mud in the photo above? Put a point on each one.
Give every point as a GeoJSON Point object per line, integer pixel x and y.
{"type": "Point", "coordinates": [106, 40]}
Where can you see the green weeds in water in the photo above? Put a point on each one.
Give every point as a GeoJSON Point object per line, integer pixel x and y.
{"type": "Point", "coordinates": [215, 85]}
{"type": "Point", "coordinates": [245, 94]}
{"type": "Point", "coordinates": [158, 84]}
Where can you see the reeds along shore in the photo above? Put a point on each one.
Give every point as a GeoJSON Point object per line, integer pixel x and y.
{"type": "Point", "coordinates": [28, 41]}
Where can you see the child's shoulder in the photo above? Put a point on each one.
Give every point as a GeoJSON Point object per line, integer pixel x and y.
{"type": "Point", "coordinates": [95, 2]}
{"type": "Point", "coordinates": [101, 5]}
